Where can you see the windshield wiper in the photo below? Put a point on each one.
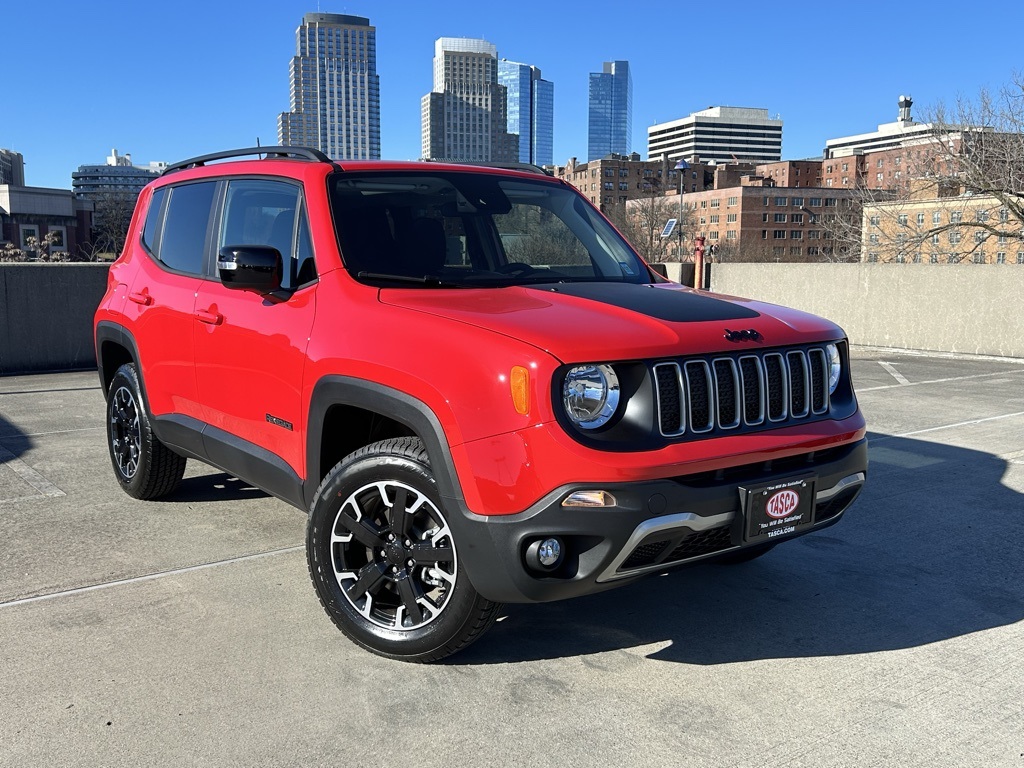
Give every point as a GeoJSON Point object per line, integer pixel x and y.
{"type": "Point", "coordinates": [429, 280]}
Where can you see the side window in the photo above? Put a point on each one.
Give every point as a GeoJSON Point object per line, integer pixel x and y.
{"type": "Point", "coordinates": [261, 212]}
{"type": "Point", "coordinates": [151, 232]}
{"type": "Point", "coordinates": [183, 239]}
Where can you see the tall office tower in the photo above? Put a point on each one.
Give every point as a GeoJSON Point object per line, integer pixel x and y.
{"type": "Point", "coordinates": [531, 110]}
{"type": "Point", "coordinates": [611, 111]}
{"type": "Point", "coordinates": [335, 89]}
{"type": "Point", "coordinates": [463, 117]}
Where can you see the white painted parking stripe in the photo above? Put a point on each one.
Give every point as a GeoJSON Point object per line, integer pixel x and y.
{"type": "Point", "coordinates": [147, 577]}
{"type": "Point", "coordinates": [970, 423]}
{"type": "Point", "coordinates": [893, 372]}
{"type": "Point", "coordinates": [29, 475]}
{"type": "Point", "coordinates": [939, 381]}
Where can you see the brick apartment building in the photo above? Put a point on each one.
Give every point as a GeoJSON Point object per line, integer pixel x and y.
{"type": "Point", "coordinates": [617, 179]}
{"type": "Point", "coordinates": [938, 224]}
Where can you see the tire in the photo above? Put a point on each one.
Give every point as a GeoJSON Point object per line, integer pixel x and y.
{"type": "Point", "coordinates": [745, 555]}
{"type": "Point", "coordinates": [145, 467]}
{"type": "Point", "coordinates": [384, 560]}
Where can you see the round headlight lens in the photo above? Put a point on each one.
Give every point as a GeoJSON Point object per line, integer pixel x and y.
{"type": "Point", "coordinates": [590, 394]}
{"type": "Point", "coordinates": [835, 366]}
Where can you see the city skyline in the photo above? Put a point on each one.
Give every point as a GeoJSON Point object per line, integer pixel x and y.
{"type": "Point", "coordinates": [172, 104]}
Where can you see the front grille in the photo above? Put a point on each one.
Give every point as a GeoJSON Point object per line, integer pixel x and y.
{"type": "Point", "coordinates": [701, 543]}
{"type": "Point", "coordinates": [726, 393]}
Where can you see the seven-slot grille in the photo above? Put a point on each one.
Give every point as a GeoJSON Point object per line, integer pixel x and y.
{"type": "Point", "coordinates": [727, 392]}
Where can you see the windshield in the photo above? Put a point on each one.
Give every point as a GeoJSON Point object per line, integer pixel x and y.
{"type": "Point", "coordinates": [474, 229]}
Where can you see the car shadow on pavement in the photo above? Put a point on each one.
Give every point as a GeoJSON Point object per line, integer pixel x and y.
{"type": "Point", "coordinates": [13, 442]}
{"type": "Point", "coordinates": [218, 486]}
{"type": "Point", "coordinates": [930, 551]}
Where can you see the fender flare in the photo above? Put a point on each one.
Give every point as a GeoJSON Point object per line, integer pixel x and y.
{"type": "Point", "coordinates": [335, 390]}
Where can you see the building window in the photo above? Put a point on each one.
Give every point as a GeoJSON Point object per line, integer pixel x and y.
{"type": "Point", "coordinates": [797, 202]}
{"type": "Point", "coordinates": [935, 239]}
{"type": "Point", "coordinates": [830, 202]}
{"type": "Point", "coordinates": [952, 258]}
{"type": "Point", "coordinates": [1001, 257]}
{"type": "Point", "coordinates": [778, 251]}
{"type": "Point", "coordinates": [764, 217]}
{"type": "Point", "coordinates": [875, 220]}
{"type": "Point", "coordinates": [955, 217]}
{"type": "Point", "coordinates": [881, 162]}
{"type": "Point", "coordinates": [609, 172]}
{"type": "Point", "coordinates": [934, 258]}
{"type": "Point", "coordinates": [730, 217]}
{"type": "Point", "coordinates": [715, 203]}
{"type": "Point", "coordinates": [714, 218]}
{"type": "Point", "coordinates": [954, 237]}
{"type": "Point", "coordinates": [813, 234]}
{"type": "Point", "coordinates": [780, 218]}
{"type": "Point", "coordinates": [713, 235]}
{"type": "Point", "coordinates": [873, 257]}
{"type": "Point", "coordinates": [1020, 257]}
{"type": "Point", "coordinates": [980, 237]}
{"type": "Point", "coordinates": [878, 177]}
{"type": "Point", "coordinates": [764, 235]}
{"type": "Point", "coordinates": [779, 234]}
{"type": "Point", "coordinates": [812, 250]}
{"type": "Point", "coordinates": [794, 250]}
{"type": "Point", "coordinates": [920, 219]}
{"type": "Point", "coordinates": [815, 202]}
{"type": "Point", "coordinates": [846, 166]}
{"type": "Point", "coordinates": [917, 257]}
{"type": "Point", "coordinates": [936, 218]}
{"type": "Point", "coordinates": [902, 219]}
{"type": "Point", "coordinates": [981, 216]}
{"type": "Point", "coordinates": [900, 258]}
{"type": "Point", "coordinates": [979, 258]}
{"type": "Point", "coordinates": [873, 237]}
{"type": "Point", "coordinates": [1004, 215]}
{"type": "Point", "coordinates": [731, 201]}
{"type": "Point", "coordinates": [780, 201]}
{"type": "Point", "coordinates": [796, 234]}
{"type": "Point", "coordinates": [730, 234]}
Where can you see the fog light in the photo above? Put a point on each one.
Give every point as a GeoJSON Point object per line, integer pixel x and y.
{"type": "Point", "coordinates": [544, 554]}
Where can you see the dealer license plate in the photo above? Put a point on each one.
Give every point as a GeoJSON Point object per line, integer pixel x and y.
{"type": "Point", "coordinates": [777, 509]}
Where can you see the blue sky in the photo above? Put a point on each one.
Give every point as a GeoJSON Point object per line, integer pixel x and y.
{"type": "Point", "coordinates": [170, 80]}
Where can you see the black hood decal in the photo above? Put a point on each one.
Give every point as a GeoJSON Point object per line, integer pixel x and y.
{"type": "Point", "coordinates": [672, 305]}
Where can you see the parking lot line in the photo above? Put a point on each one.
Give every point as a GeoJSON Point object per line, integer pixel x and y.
{"type": "Point", "coordinates": [949, 426]}
{"type": "Point", "coordinates": [940, 381]}
{"type": "Point", "coordinates": [29, 475]}
{"type": "Point", "coordinates": [147, 577]}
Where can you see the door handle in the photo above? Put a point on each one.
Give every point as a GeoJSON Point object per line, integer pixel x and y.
{"type": "Point", "coordinates": [142, 298]}
{"type": "Point", "coordinates": [211, 318]}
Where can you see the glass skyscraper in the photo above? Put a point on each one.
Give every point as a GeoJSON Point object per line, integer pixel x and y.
{"type": "Point", "coordinates": [611, 111]}
{"type": "Point", "coordinates": [531, 110]}
{"type": "Point", "coordinates": [335, 89]}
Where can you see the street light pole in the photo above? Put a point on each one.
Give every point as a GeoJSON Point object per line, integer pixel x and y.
{"type": "Point", "coordinates": [681, 166]}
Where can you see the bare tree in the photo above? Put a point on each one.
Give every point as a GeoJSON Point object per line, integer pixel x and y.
{"type": "Point", "coordinates": [111, 220]}
{"type": "Point", "coordinates": [642, 221]}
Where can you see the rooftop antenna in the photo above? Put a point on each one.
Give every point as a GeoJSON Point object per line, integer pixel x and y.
{"type": "Point", "coordinates": [258, 144]}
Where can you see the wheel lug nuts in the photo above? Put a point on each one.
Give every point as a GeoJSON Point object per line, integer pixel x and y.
{"type": "Point", "coordinates": [410, 563]}
{"type": "Point", "coordinates": [394, 569]}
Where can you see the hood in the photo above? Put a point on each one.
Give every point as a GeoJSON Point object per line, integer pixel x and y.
{"type": "Point", "coordinates": [581, 322]}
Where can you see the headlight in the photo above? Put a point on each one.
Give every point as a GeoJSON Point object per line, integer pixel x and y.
{"type": "Point", "coordinates": [590, 394]}
{"type": "Point", "coordinates": [835, 366]}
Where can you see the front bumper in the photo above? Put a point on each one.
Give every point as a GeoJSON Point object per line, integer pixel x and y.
{"type": "Point", "coordinates": [655, 525]}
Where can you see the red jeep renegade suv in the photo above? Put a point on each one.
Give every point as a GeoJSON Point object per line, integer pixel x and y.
{"type": "Point", "coordinates": [468, 379]}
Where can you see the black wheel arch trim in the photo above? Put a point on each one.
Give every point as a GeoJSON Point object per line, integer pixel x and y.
{"type": "Point", "coordinates": [409, 411]}
{"type": "Point", "coordinates": [118, 334]}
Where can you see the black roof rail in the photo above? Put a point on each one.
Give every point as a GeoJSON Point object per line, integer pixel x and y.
{"type": "Point", "coordinates": [299, 153]}
{"type": "Point", "coordinates": [526, 167]}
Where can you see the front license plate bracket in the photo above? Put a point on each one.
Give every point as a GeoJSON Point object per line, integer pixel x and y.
{"type": "Point", "coordinates": [775, 510]}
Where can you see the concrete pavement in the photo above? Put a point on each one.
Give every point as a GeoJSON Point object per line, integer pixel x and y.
{"type": "Point", "coordinates": [187, 632]}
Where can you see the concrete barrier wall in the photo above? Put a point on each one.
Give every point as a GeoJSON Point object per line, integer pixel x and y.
{"type": "Point", "coordinates": [46, 309]}
{"type": "Point", "coordinates": [46, 315]}
{"type": "Point", "coordinates": [936, 307]}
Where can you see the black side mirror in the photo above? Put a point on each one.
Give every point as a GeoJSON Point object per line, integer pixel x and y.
{"type": "Point", "coordinates": [252, 267]}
